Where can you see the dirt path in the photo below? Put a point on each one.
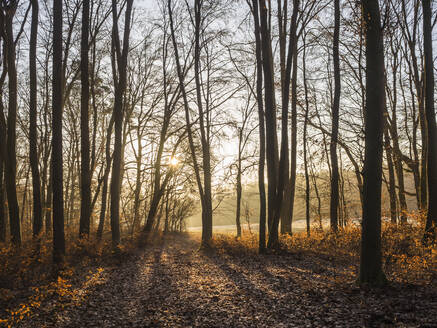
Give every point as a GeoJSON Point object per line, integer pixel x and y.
{"type": "Point", "coordinates": [172, 284]}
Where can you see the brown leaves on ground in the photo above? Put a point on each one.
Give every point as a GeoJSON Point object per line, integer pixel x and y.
{"type": "Point", "coordinates": [170, 283]}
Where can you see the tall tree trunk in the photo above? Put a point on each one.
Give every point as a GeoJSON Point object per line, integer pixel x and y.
{"type": "Point", "coordinates": [57, 107]}
{"type": "Point", "coordinates": [120, 59]}
{"type": "Point", "coordinates": [85, 185]}
{"type": "Point", "coordinates": [393, 129]}
{"type": "Point", "coordinates": [33, 137]}
{"type": "Point", "coordinates": [305, 154]}
{"type": "Point", "coordinates": [204, 132]}
{"type": "Point", "coordinates": [371, 256]}
{"type": "Point", "coordinates": [284, 191]}
{"type": "Point", "coordinates": [262, 137]}
{"type": "Point", "coordinates": [270, 120]}
{"type": "Point", "coordinates": [205, 188]}
{"type": "Point", "coordinates": [431, 217]}
{"type": "Point", "coordinates": [335, 118]}
{"type": "Point", "coordinates": [10, 158]}
{"type": "Point", "coordinates": [291, 186]}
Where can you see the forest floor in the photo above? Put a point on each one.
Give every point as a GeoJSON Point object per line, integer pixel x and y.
{"type": "Point", "coordinates": [171, 283]}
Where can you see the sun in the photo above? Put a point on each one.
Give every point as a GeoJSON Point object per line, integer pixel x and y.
{"type": "Point", "coordinates": [174, 161]}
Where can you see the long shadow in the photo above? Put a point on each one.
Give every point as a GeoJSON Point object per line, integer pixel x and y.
{"type": "Point", "coordinates": [163, 303]}
{"type": "Point", "coordinates": [281, 292]}
{"type": "Point", "coordinates": [254, 296]}
{"type": "Point", "coordinates": [134, 293]}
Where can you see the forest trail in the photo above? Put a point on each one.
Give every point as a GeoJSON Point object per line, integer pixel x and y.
{"type": "Point", "coordinates": [170, 283]}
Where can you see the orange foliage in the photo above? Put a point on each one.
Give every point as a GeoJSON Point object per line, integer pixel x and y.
{"type": "Point", "coordinates": [405, 258]}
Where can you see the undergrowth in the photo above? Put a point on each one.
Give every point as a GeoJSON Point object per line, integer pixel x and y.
{"type": "Point", "coordinates": [405, 258]}
{"type": "Point", "coordinates": [28, 278]}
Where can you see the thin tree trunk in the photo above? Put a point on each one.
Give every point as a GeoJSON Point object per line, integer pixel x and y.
{"type": "Point", "coordinates": [239, 187]}
{"type": "Point", "coordinates": [335, 118]}
{"type": "Point", "coordinates": [291, 191]}
{"type": "Point", "coordinates": [105, 180]}
{"type": "Point", "coordinates": [85, 185]}
{"type": "Point", "coordinates": [138, 181]}
{"type": "Point", "coordinates": [48, 203]}
{"type": "Point", "coordinates": [206, 213]}
{"type": "Point", "coordinates": [33, 137]}
{"type": "Point", "coordinates": [305, 130]}
{"type": "Point", "coordinates": [391, 176]}
{"type": "Point", "coordinates": [431, 218]}
{"type": "Point", "coordinates": [393, 129]}
{"type": "Point", "coordinates": [319, 200]}
{"type": "Point", "coordinates": [206, 155]}
{"type": "Point", "coordinates": [120, 58]}
{"type": "Point", "coordinates": [57, 107]}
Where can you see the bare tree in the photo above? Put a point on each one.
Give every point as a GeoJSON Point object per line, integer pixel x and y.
{"type": "Point", "coordinates": [371, 254]}
{"type": "Point", "coordinates": [57, 161]}
{"type": "Point", "coordinates": [431, 217]}
{"type": "Point", "coordinates": [119, 67]}
{"type": "Point", "coordinates": [335, 119]}
{"type": "Point", "coordinates": [7, 14]}
{"type": "Point", "coordinates": [85, 185]}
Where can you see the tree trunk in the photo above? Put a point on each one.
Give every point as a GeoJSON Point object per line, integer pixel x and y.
{"type": "Point", "coordinates": [371, 256]}
{"type": "Point", "coordinates": [33, 138]}
{"type": "Point", "coordinates": [48, 204]}
{"type": "Point", "coordinates": [157, 186]}
{"type": "Point", "coordinates": [105, 180]}
{"type": "Point", "coordinates": [57, 108]}
{"type": "Point", "coordinates": [391, 176]}
{"type": "Point", "coordinates": [239, 187]}
{"type": "Point", "coordinates": [2, 205]}
{"type": "Point", "coordinates": [431, 217]}
{"type": "Point", "coordinates": [262, 142]}
{"type": "Point", "coordinates": [270, 120]}
{"type": "Point", "coordinates": [305, 155]}
{"type": "Point", "coordinates": [120, 57]}
{"type": "Point", "coordinates": [10, 158]}
{"type": "Point", "coordinates": [85, 185]}
{"type": "Point", "coordinates": [204, 133]}
{"type": "Point", "coordinates": [396, 152]}
{"type": "Point", "coordinates": [138, 183]}
{"type": "Point", "coordinates": [335, 118]}
{"type": "Point", "coordinates": [205, 188]}
{"type": "Point", "coordinates": [316, 191]}
{"type": "Point", "coordinates": [293, 153]}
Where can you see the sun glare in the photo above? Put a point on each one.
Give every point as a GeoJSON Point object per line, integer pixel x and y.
{"type": "Point", "coordinates": [174, 161]}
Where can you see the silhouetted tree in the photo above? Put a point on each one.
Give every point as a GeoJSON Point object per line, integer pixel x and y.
{"type": "Point", "coordinates": [371, 254]}
{"type": "Point", "coordinates": [85, 185]}
{"type": "Point", "coordinates": [431, 217]}
{"type": "Point", "coordinates": [119, 65]}
{"type": "Point", "coordinates": [57, 161]}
